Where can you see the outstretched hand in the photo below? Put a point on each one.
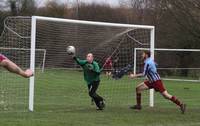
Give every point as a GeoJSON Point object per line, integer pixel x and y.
{"type": "Point", "coordinates": [28, 73]}
{"type": "Point", "coordinates": [73, 55]}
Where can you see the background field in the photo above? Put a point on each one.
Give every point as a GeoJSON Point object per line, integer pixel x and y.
{"type": "Point", "coordinates": [61, 99]}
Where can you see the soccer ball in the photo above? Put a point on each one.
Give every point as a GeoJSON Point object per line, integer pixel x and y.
{"type": "Point", "coordinates": [71, 50]}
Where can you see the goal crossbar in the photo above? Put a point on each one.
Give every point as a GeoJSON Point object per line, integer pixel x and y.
{"type": "Point", "coordinates": [173, 50]}
{"type": "Point", "coordinates": [93, 23]}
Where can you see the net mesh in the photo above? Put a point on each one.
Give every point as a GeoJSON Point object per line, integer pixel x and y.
{"type": "Point", "coordinates": [15, 45]}
{"type": "Point", "coordinates": [13, 89]}
{"type": "Point", "coordinates": [61, 85]}
{"type": "Point", "coordinates": [103, 42]}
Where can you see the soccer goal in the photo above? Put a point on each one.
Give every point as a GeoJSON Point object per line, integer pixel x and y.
{"type": "Point", "coordinates": [173, 64]}
{"type": "Point", "coordinates": [62, 82]}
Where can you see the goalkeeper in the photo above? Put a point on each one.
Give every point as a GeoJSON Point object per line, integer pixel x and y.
{"type": "Point", "coordinates": [91, 75]}
{"type": "Point", "coordinates": [12, 67]}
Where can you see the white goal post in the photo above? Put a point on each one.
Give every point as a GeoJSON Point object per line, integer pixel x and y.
{"type": "Point", "coordinates": [34, 21]}
{"type": "Point", "coordinates": [170, 68]}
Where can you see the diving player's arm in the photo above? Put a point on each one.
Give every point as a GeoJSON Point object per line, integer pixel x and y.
{"type": "Point", "coordinates": [12, 67]}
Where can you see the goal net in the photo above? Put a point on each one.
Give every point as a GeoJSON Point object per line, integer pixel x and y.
{"type": "Point", "coordinates": [174, 64]}
{"type": "Point", "coordinates": [61, 85]}
{"type": "Point", "coordinates": [15, 45]}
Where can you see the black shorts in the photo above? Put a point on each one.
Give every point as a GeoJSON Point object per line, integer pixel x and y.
{"type": "Point", "coordinates": [93, 85]}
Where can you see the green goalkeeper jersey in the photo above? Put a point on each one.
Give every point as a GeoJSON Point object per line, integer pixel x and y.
{"type": "Point", "coordinates": [91, 70]}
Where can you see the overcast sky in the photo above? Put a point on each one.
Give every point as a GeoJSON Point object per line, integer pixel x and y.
{"type": "Point", "coordinates": [111, 2]}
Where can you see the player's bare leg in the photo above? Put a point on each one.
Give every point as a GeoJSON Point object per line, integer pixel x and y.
{"type": "Point", "coordinates": [174, 100]}
{"type": "Point", "coordinates": [139, 89]}
{"type": "Point", "coordinates": [108, 74]}
{"type": "Point", "coordinates": [12, 67]}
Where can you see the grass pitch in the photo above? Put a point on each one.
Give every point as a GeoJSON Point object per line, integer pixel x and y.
{"type": "Point", "coordinates": [61, 99]}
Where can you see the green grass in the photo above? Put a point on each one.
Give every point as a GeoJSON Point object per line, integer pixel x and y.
{"type": "Point", "coordinates": [61, 99]}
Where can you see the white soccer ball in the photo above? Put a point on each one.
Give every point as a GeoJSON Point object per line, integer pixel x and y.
{"type": "Point", "coordinates": [71, 50]}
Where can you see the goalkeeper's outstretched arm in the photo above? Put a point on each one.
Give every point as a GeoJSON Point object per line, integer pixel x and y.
{"type": "Point", "coordinates": [12, 67]}
{"type": "Point", "coordinates": [79, 61]}
{"type": "Point", "coordinates": [91, 64]}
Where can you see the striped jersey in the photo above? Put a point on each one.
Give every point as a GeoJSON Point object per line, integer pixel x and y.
{"type": "Point", "coordinates": [150, 70]}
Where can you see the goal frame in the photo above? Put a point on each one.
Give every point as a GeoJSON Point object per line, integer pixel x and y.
{"type": "Point", "coordinates": [33, 45]}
